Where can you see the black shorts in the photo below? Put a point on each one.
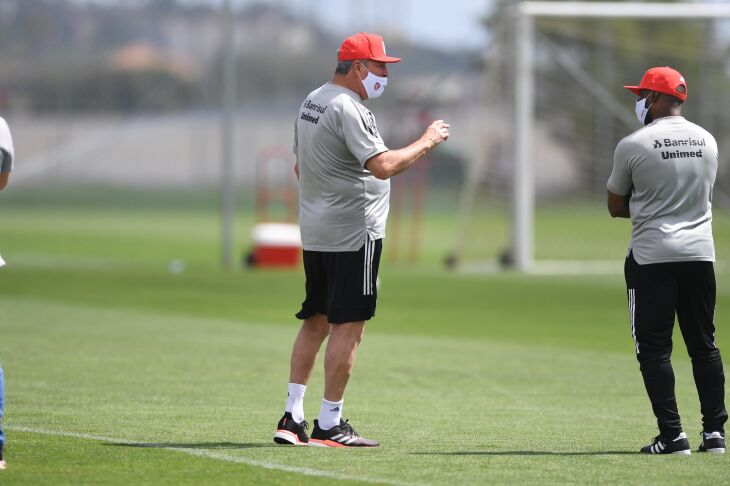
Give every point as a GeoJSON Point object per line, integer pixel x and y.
{"type": "Point", "coordinates": [660, 291]}
{"type": "Point", "coordinates": [341, 285]}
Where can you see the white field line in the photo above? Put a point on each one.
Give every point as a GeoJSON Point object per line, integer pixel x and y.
{"type": "Point", "coordinates": [210, 455]}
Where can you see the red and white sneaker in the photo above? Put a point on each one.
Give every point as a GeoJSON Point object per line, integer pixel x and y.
{"type": "Point", "coordinates": [289, 432]}
{"type": "Point", "coordinates": [342, 435]}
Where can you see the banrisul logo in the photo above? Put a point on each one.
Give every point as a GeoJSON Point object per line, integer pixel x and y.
{"type": "Point", "coordinates": [314, 107]}
{"type": "Point", "coordinates": [675, 147]}
{"type": "Point", "coordinates": [684, 142]}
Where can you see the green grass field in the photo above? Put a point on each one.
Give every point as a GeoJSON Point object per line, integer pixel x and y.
{"type": "Point", "coordinates": [118, 371]}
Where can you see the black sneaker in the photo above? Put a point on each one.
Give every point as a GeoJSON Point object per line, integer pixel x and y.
{"type": "Point", "coordinates": [289, 432]}
{"type": "Point", "coordinates": [3, 465]}
{"type": "Point", "coordinates": [712, 442]}
{"type": "Point", "coordinates": [660, 445]}
{"type": "Point", "coordinates": [342, 435]}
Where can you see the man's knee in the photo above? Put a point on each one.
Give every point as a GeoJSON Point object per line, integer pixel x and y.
{"type": "Point", "coordinates": [704, 355]}
{"type": "Point", "coordinates": [317, 324]}
{"type": "Point", "coordinates": [651, 357]}
{"type": "Point", "coordinates": [348, 334]}
{"type": "Point", "coordinates": [353, 330]}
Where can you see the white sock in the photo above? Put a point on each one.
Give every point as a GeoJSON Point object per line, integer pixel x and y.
{"type": "Point", "coordinates": [330, 414]}
{"type": "Point", "coordinates": [295, 401]}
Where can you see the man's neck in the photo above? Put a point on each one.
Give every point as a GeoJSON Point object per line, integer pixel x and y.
{"type": "Point", "coordinates": [668, 113]}
{"type": "Point", "coordinates": [348, 82]}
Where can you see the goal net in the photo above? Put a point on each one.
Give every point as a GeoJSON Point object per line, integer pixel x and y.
{"type": "Point", "coordinates": [536, 199]}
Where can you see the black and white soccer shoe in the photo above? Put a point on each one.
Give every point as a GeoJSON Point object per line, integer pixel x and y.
{"type": "Point", "coordinates": [289, 432]}
{"type": "Point", "coordinates": [3, 465]}
{"type": "Point", "coordinates": [660, 445]}
{"type": "Point", "coordinates": [712, 442]}
{"type": "Point", "coordinates": [342, 435]}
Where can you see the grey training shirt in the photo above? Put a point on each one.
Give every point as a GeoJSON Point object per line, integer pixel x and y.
{"type": "Point", "coordinates": [340, 201]}
{"type": "Point", "coordinates": [6, 147]}
{"type": "Point", "coordinates": [669, 166]}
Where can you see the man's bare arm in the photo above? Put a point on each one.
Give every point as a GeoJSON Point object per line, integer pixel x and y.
{"type": "Point", "coordinates": [387, 164]}
{"type": "Point", "coordinates": [618, 205]}
{"type": "Point", "coordinates": [4, 177]}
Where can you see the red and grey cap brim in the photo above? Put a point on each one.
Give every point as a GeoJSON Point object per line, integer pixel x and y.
{"type": "Point", "coordinates": [386, 59]}
{"type": "Point", "coordinates": [634, 89]}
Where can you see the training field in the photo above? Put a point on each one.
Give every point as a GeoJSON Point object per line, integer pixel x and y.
{"type": "Point", "coordinates": [119, 371]}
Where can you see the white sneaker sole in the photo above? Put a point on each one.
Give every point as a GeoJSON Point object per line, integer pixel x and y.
{"type": "Point", "coordinates": [683, 453]}
{"type": "Point", "coordinates": [290, 437]}
{"type": "Point", "coordinates": [718, 450]}
{"type": "Point", "coordinates": [317, 443]}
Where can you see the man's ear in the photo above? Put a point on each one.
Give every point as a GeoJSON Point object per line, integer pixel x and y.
{"type": "Point", "coordinates": [355, 65]}
{"type": "Point", "coordinates": [653, 97]}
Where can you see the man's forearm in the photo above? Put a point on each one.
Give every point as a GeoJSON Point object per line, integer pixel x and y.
{"type": "Point", "coordinates": [623, 213]}
{"type": "Point", "coordinates": [618, 205]}
{"type": "Point", "coordinates": [387, 164]}
{"type": "Point", "coordinates": [393, 162]}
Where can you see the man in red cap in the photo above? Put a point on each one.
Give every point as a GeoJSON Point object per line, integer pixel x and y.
{"type": "Point", "coordinates": [662, 178]}
{"type": "Point", "coordinates": [344, 169]}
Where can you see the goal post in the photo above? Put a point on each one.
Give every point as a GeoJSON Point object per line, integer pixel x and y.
{"type": "Point", "coordinates": [526, 15]}
{"type": "Point", "coordinates": [523, 190]}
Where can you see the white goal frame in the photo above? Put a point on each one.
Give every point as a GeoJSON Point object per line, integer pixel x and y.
{"type": "Point", "coordinates": [523, 184]}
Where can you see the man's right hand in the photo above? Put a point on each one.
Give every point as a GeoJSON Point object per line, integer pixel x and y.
{"type": "Point", "coordinates": [437, 132]}
{"type": "Point", "coordinates": [392, 162]}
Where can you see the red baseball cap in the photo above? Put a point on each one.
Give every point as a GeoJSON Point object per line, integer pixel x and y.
{"type": "Point", "coordinates": [364, 46]}
{"type": "Point", "coordinates": [664, 80]}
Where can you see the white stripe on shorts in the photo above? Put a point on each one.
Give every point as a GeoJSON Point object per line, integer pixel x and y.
{"type": "Point", "coordinates": [367, 286]}
{"type": "Point", "coordinates": [632, 318]}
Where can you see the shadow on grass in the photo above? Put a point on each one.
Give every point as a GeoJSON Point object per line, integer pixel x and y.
{"type": "Point", "coordinates": [525, 453]}
{"type": "Point", "coordinates": [194, 445]}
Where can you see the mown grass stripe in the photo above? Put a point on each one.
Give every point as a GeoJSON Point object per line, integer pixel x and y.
{"type": "Point", "coordinates": [307, 471]}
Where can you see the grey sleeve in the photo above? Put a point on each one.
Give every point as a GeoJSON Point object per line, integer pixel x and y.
{"type": "Point", "coordinates": [295, 146]}
{"type": "Point", "coordinates": [361, 132]}
{"type": "Point", "coordinates": [6, 148]}
{"type": "Point", "coordinates": [620, 181]}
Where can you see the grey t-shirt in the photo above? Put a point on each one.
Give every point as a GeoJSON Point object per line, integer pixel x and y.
{"type": "Point", "coordinates": [340, 201]}
{"type": "Point", "coordinates": [669, 166]}
{"type": "Point", "coordinates": [6, 148]}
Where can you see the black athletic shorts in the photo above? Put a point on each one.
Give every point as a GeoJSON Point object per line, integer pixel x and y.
{"type": "Point", "coordinates": [341, 285]}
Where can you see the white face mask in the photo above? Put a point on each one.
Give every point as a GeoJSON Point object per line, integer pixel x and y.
{"type": "Point", "coordinates": [642, 110]}
{"type": "Point", "coordinates": [374, 85]}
